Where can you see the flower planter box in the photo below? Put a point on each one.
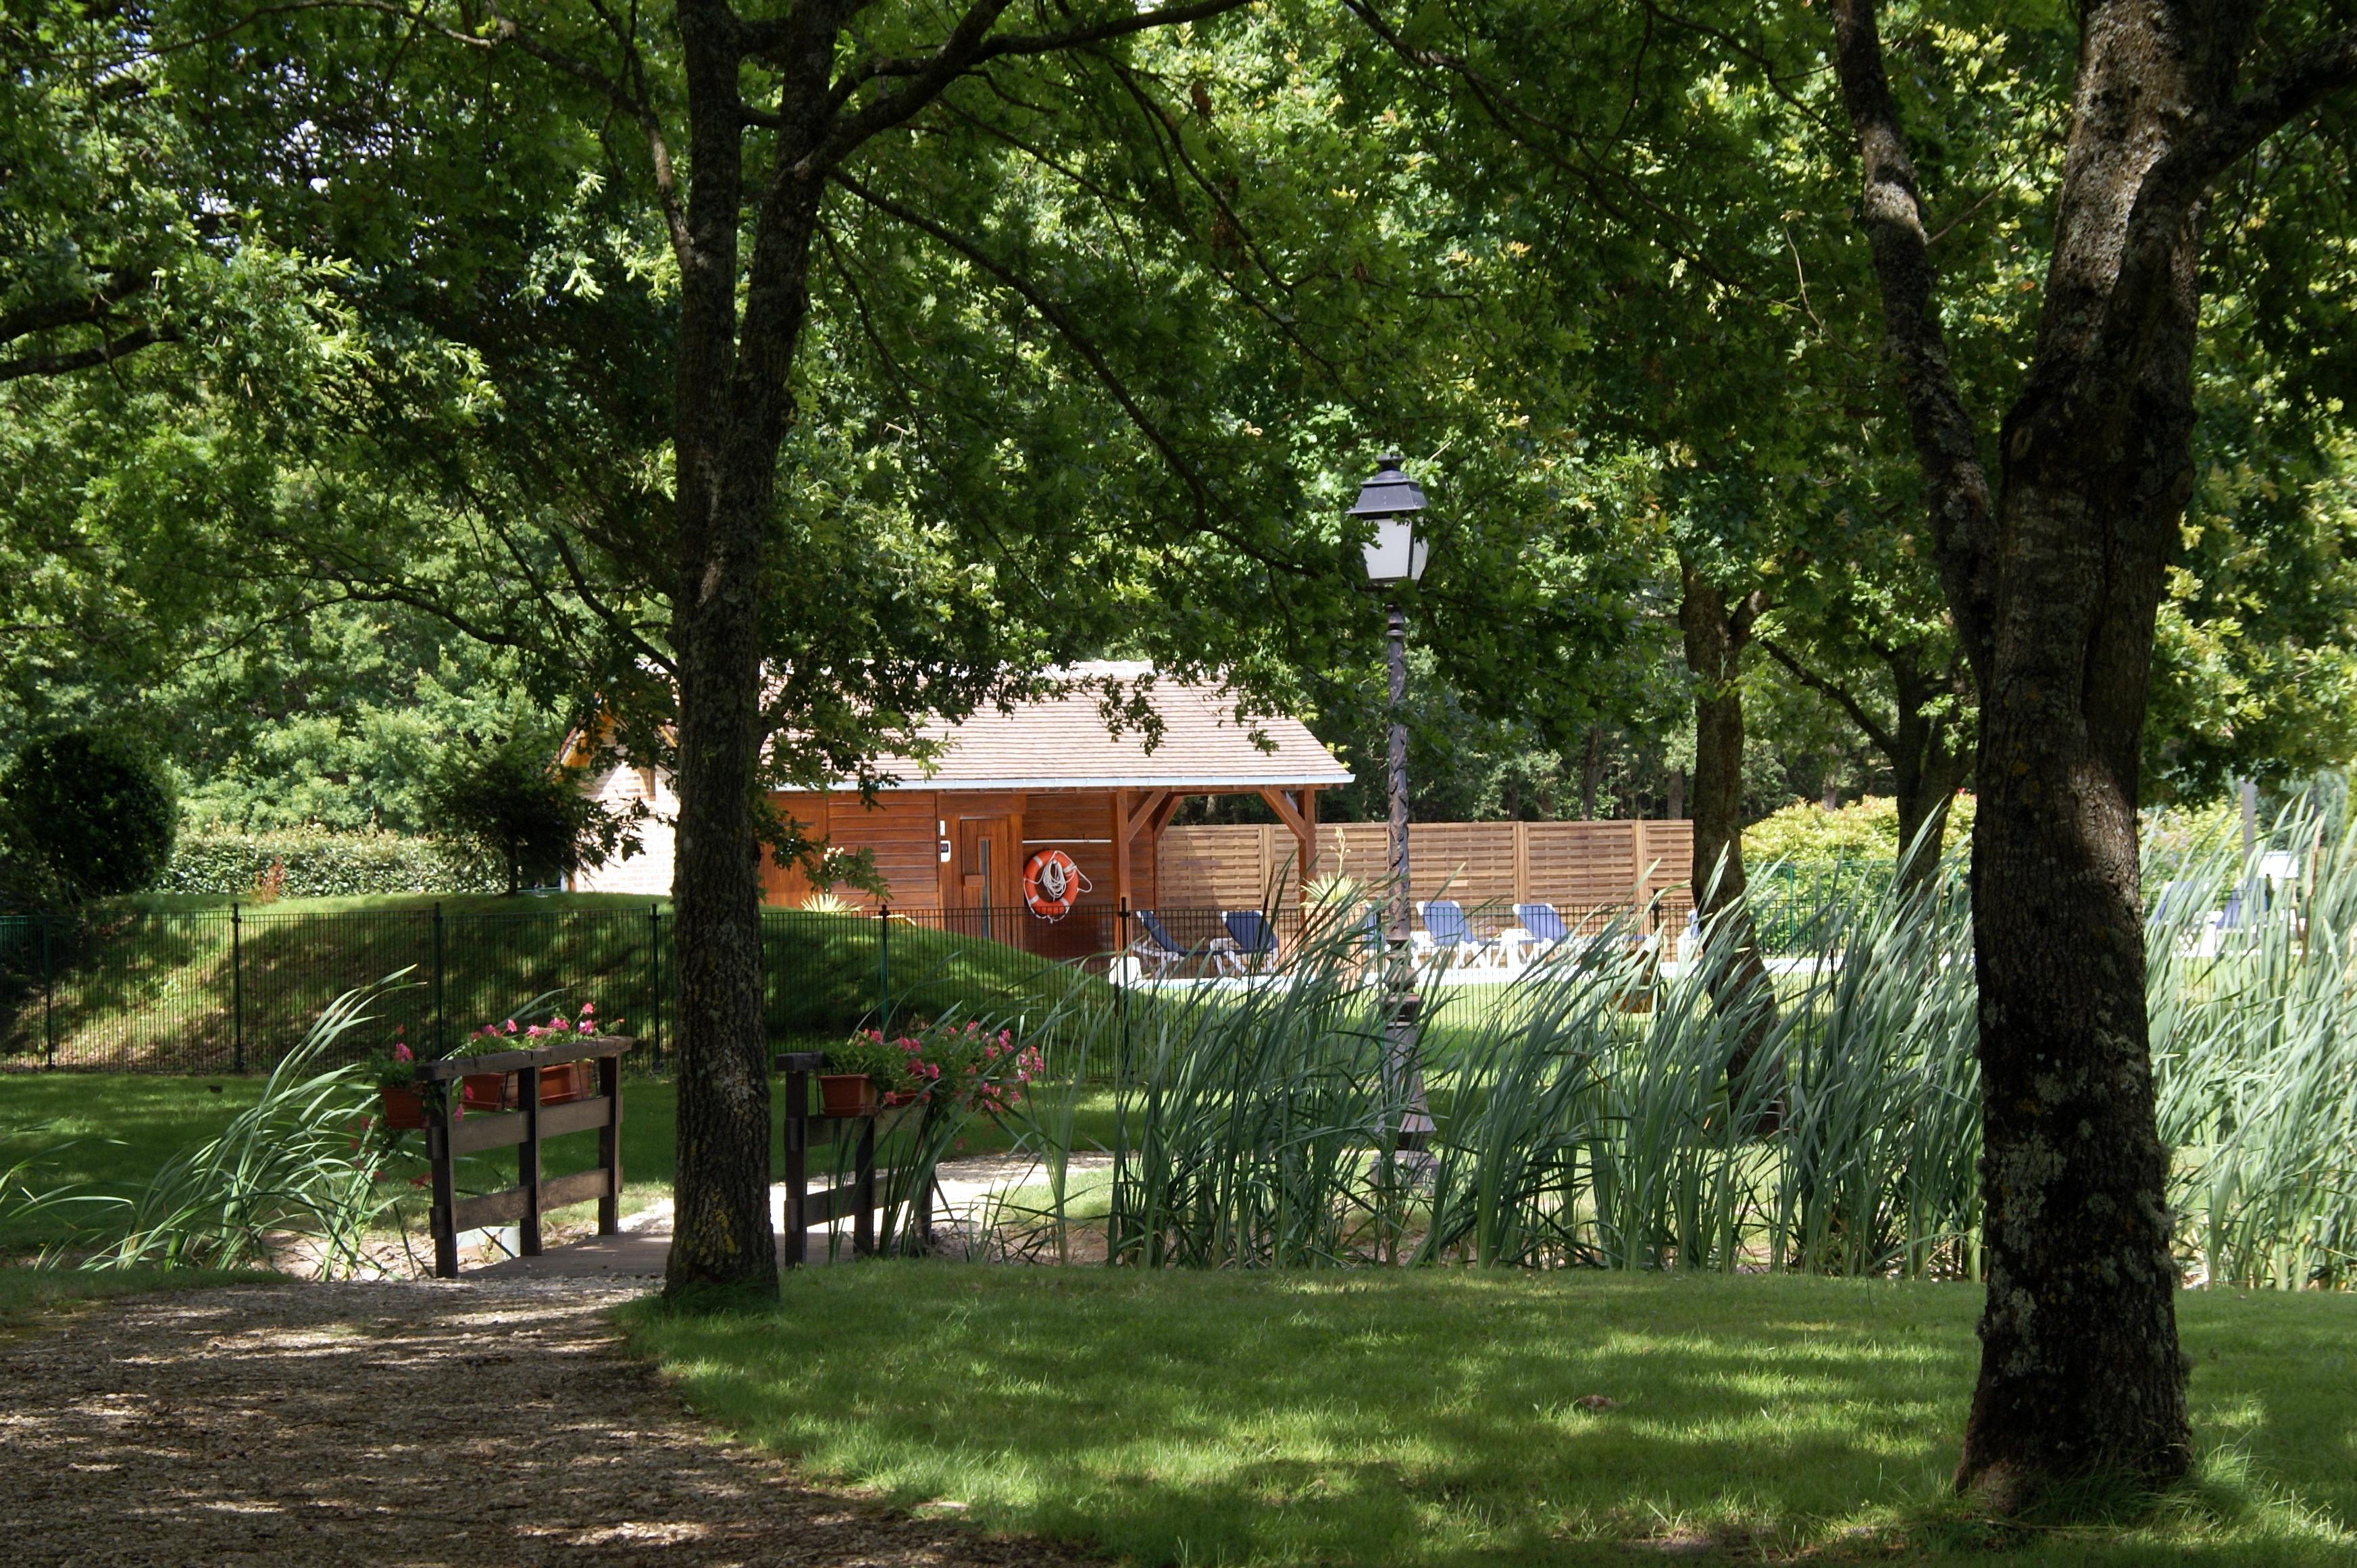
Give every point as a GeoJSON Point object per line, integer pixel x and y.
{"type": "Point", "coordinates": [489, 1091]}
{"type": "Point", "coordinates": [567, 1082]}
{"type": "Point", "coordinates": [846, 1094]}
{"type": "Point", "coordinates": [405, 1109]}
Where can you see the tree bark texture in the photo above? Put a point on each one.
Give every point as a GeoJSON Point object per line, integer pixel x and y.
{"type": "Point", "coordinates": [1715, 632]}
{"type": "Point", "coordinates": [2054, 594]}
{"type": "Point", "coordinates": [733, 402]}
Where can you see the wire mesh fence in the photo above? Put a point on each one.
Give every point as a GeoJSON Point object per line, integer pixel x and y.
{"type": "Point", "coordinates": [229, 989]}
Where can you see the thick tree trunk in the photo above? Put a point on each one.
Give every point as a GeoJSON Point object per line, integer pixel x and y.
{"type": "Point", "coordinates": [2080, 1372]}
{"type": "Point", "coordinates": [1715, 633]}
{"type": "Point", "coordinates": [733, 402]}
{"type": "Point", "coordinates": [2054, 596]}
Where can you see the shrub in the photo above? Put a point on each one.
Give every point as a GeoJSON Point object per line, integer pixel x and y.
{"type": "Point", "coordinates": [311, 862]}
{"type": "Point", "coordinates": [93, 810]}
{"type": "Point", "coordinates": [513, 805]}
{"type": "Point", "coordinates": [1865, 830]}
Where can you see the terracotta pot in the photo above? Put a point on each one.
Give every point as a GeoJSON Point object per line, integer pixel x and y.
{"type": "Point", "coordinates": [567, 1081]}
{"type": "Point", "coordinates": [846, 1094]}
{"type": "Point", "coordinates": [490, 1091]}
{"type": "Point", "coordinates": [404, 1108]}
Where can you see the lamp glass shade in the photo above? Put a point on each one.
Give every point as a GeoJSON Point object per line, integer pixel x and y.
{"type": "Point", "coordinates": [1395, 554]}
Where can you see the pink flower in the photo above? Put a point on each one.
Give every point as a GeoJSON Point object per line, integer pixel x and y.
{"type": "Point", "coordinates": [533, 1033]}
{"type": "Point", "coordinates": [402, 1053]}
{"type": "Point", "coordinates": [512, 1026]}
{"type": "Point", "coordinates": [587, 1026]}
{"type": "Point", "coordinates": [587, 1008]}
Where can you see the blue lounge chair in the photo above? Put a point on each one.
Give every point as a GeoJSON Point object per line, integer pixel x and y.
{"type": "Point", "coordinates": [1255, 937]}
{"type": "Point", "coordinates": [1157, 947]}
{"type": "Point", "coordinates": [1449, 935]}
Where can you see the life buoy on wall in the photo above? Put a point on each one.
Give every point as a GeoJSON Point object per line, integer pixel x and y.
{"type": "Point", "coordinates": [1051, 882]}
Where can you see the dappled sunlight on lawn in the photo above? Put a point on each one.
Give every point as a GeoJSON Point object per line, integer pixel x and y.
{"type": "Point", "coordinates": [1448, 1417]}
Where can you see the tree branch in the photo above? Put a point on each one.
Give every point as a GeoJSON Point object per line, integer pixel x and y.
{"type": "Point", "coordinates": [1962, 520]}
{"type": "Point", "coordinates": [106, 353]}
{"type": "Point", "coordinates": [95, 305]}
{"type": "Point", "coordinates": [1882, 738]}
{"type": "Point", "coordinates": [1062, 320]}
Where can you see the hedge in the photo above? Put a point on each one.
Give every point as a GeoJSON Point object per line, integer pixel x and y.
{"type": "Point", "coordinates": [315, 863]}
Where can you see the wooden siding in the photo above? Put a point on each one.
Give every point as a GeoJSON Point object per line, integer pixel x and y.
{"type": "Point", "coordinates": [1573, 865]}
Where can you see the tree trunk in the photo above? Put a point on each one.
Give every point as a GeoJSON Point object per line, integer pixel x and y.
{"type": "Point", "coordinates": [1677, 794]}
{"type": "Point", "coordinates": [2055, 595]}
{"type": "Point", "coordinates": [733, 403]}
{"type": "Point", "coordinates": [1591, 773]}
{"type": "Point", "coordinates": [1715, 634]}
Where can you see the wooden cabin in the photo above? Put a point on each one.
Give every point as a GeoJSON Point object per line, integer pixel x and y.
{"type": "Point", "coordinates": [1012, 785]}
{"type": "Point", "coordinates": [1046, 775]}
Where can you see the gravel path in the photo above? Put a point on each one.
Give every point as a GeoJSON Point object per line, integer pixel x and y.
{"type": "Point", "coordinates": [454, 1425]}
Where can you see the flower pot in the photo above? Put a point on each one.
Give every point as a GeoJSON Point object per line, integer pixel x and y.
{"type": "Point", "coordinates": [490, 1091]}
{"type": "Point", "coordinates": [405, 1109]}
{"type": "Point", "coordinates": [846, 1094]}
{"type": "Point", "coordinates": [566, 1081]}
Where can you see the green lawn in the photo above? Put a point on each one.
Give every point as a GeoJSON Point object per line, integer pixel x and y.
{"type": "Point", "coordinates": [1461, 1417]}
{"type": "Point", "coordinates": [110, 1132]}
{"type": "Point", "coordinates": [163, 982]}
{"type": "Point", "coordinates": [38, 1298]}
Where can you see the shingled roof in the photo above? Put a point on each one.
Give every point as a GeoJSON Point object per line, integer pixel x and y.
{"type": "Point", "coordinates": [1059, 743]}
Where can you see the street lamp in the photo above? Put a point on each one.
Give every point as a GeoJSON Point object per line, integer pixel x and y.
{"type": "Point", "coordinates": [1394, 555]}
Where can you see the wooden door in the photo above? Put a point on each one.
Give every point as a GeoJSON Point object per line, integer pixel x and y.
{"type": "Point", "coordinates": [988, 878]}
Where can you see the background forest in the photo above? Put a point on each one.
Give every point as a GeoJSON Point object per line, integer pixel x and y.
{"type": "Point", "coordinates": [337, 416]}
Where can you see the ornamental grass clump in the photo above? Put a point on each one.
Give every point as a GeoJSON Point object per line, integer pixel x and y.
{"type": "Point", "coordinates": [297, 1173]}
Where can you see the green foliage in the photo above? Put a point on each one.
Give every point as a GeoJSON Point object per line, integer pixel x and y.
{"type": "Point", "coordinates": [311, 862]}
{"type": "Point", "coordinates": [295, 1163]}
{"type": "Point", "coordinates": [1864, 831]}
{"type": "Point", "coordinates": [97, 811]}
{"type": "Point", "coordinates": [512, 802]}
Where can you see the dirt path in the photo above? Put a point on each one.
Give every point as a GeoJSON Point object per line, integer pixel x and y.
{"type": "Point", "coordinates": [397, 1425]}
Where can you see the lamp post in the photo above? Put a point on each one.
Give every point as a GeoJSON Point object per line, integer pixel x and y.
{"type": "Point", "coordinates": [1390, 500]}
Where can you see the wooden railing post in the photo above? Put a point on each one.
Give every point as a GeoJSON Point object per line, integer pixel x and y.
{"type": "Point", "coordinates": [610, 1145]}
{"type": "Point", "coordinates": [443, 1220]}
{"type": "Point", "coordinates": [528, 1162]}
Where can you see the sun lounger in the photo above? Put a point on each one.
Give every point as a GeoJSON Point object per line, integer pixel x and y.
{"type": "Point", "coordinates": [1253, 938]}
{"type": "Point", "coordinates": [1448, 936]}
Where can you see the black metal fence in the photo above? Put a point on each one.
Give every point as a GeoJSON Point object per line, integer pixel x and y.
{"type": "Point", "coordinates": [231, 989]}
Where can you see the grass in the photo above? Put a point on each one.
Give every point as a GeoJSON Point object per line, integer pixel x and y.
{"type": "Point", "coordinates": [111, 1132]}
{"type": "Point", "coordinates": [1442, 1417]}
{"type": "Point", "coordinates": [33, 1299]}
{"type": "Point", "coordinates": [162, 984]}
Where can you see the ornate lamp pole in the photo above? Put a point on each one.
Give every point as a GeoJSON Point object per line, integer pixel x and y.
{"type": "Point", "coordinates": [1395, 556]}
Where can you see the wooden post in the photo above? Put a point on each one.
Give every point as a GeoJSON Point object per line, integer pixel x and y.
{"type": "Point", "coordinates": [1522, 864]}
{"type": "Point", "coordinates": [1120, 845]}
{"type": "Point", "coordinates": [610, 1145]}
{"type": "Point", "coordinates": [528, 1162]}
{"type": "Point", "coordinates": [798, 1067]}
{"type": "Point", "coordinates": [863, 1226]}
{"type": "Point", "coordinates": [442, 1222]}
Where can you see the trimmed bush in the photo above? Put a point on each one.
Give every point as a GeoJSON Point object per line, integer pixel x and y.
{"type": "Point", "coordinates": [309, 863]}
{"type": "Point", "coordinates": [97, 812]}
{"type": "Point", "coordinates": [1865, 830]}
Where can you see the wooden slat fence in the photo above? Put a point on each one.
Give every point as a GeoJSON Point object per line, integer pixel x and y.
{"type": "Point", "coordinates": [1573, 865]}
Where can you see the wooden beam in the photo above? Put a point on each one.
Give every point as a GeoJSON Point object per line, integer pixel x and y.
{"type": "Point", "coordinates": [1304, 830]}
{"type": "Point", "coordinates": [1121, 847]}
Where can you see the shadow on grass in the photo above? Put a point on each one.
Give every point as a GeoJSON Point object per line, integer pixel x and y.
{"type": "Point", "coordinates": [1444, 1418]}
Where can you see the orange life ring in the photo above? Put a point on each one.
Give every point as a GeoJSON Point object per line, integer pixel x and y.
{"type": "Point", "coordinates": [1051, 882]}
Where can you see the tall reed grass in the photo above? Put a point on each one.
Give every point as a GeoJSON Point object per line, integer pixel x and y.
{"type": "Point", "coordinates": [1588, 1116]}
